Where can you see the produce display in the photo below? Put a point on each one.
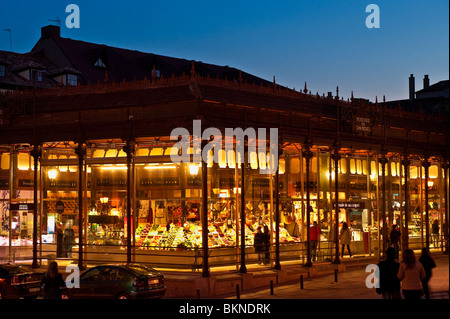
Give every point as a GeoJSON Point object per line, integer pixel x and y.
{"type": "Point", "coordinates": [190, 236]}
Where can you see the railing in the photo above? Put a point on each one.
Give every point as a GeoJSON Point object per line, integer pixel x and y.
{"type": "Point", "coordinates": [192, 258]}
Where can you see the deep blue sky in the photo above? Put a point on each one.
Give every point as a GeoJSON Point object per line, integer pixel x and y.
{"type": "Point", "coordinates": [325, 43]}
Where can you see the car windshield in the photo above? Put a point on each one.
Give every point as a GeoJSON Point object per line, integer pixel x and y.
{"type": "Point", "coordinates": [16, 269]}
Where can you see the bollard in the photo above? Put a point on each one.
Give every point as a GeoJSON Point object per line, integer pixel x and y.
{"type": "Point", "coordinates": [198, 293]}
{"type": "Point", "coordinates": [301, 281]}
{"type": "Point", "coordinates": [271, 287]}
{"type": "Point", "coordinates": [238, 293]}
{"type": "Point", "coordinates": [335, 275]}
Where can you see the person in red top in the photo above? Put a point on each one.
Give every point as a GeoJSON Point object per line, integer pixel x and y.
{"type": "Point", "coordinates": [314, 236]}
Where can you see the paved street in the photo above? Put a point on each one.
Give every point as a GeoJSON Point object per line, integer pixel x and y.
{"type": "Point", "coordinates": [350, 285]}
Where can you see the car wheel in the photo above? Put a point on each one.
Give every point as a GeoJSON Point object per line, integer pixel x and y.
{"type": "Point", "coordinates": [123, 296]}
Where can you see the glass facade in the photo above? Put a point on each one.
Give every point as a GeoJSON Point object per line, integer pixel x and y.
{"type": "Point", "coordinates": [166, 202]}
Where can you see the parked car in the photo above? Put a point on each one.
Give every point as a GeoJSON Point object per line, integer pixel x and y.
{"type": "Point", "coordinates": [19, 281]}
{"type": "Point", "coordinates": [126, 281]}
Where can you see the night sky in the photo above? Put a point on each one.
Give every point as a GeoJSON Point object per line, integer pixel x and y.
{"type": "Point", "coordinates": [325, 43]}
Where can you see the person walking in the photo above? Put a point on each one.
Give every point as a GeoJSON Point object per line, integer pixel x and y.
{"type": "Point", "coordinates": [435, 233]}
{"type": "Point", "coordinates": [266, 245]}
{"type": "Point", "coordinates": [428, 264]}
{"type": "Point", "coordinates": [411, 273]}
{"type": "Point", "coordinates": [389, 282]}
{"type": "Point", "coordinates": [258, 244]}
{"type": "Point", "coordinates": [345, 238]}
{"type": "Point", "coordinates": [52, 282]}
{"type": "Point", "coordinates": [314, 236]}
{"type": "Point", "coordinates": [69, 235]}
{"type": "Point", "coordinates": [395, 236]}
{"type": "Point", "coordinates": [59, 240]}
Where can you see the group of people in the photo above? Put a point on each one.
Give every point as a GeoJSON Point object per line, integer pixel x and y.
{"type": "Point", "coordinates": [411, 276]}
{"type": "Point", "coordinates": [64, 241]}
{"type": "Point", "coordinates": [262, 245]}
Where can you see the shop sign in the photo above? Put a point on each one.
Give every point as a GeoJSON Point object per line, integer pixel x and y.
{"type": "Point", "coordinates": [166, 181]}
{"type": "Point", "coordinates": [26, 183]}
{"type": "Point", "coordinates": [111, 182]}
{"type": "Point", "coordinates": [354, 205]}
{"type": "Point", "coordinates": [4, 183]}
{"type": "Point", "coordinates": [194, 181]}
{"type": "Point", "coordinates": [361, 125]}
{"type": "Point", "coordinates": [21, 206]}
{"type": "Point", "coordinates": [63, 184]}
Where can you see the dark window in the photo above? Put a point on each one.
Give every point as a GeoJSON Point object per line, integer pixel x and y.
{"type": "Point", "coordinates": [100, 64]}
{"type": "Point", "coordinates": [91, 275]}
{"type": "Point", "coordinates": [2, 70]}
{"type": "Point", "coordinates": [36, 75]}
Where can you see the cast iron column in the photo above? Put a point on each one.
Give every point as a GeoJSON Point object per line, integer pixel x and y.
{"type": "Point", "coordinates": [336, 157]}
{"type": "Point", "coordinates": [277, 264]}
{"type": "Point", "coordinates": [405, 235]}
{"type": "Point", "coordinates": [129, 149]}
{"type": "Point", "coordinates": [383, 162]}
{"type": "Point", "coordinates": [81, 153]}
{"type": "Point", "coordinates": [243, 268]}
{"type": "Point", "coordinates": [445, 229]}
{"type": "Point", "coordinates": [426, 165]}
{"type": "Point", "coordinates": [36, 154]}
{"type": "Point", "coordinates": [307, 154]}
{"type": "Point", "coordinates": [205, 248]}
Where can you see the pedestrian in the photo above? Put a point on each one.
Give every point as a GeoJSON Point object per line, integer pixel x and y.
{"type": "Point", "coordinates": [435, 233]}
{"type": "Point", "coordinates": [258, 243]}
{"type": "Point", "coordinates": [345, 238]}
{"type": "Point", "coordinates": [59, 240]}
{"type": "Point", "coordinates": [52, 282]}
{"type": "Point", "coordinates": [395, 236]}
{"type": "Point", "coordinates": [428, 264]}
{"type": "Point", "coordinates": [69, 235]}
{"type": "Point", "coordinates": [411, 273]}
{"type": "Point", "coordinates": [389, 282]}
{"type": "Point", "coordinates": [266, 245]}
{"type": "Point", "coordinates": [314, 237]}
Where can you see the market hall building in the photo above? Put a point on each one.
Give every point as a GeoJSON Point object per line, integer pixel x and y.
{"type": "Point", "coordinates": [87, 173]}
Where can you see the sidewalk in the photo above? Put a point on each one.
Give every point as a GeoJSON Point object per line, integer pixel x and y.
{"type": "Point", "coordinates": [223, 281]}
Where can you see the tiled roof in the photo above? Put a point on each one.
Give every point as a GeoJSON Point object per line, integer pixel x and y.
{"type": "Point", "coordinates": [123, 64]}
{"type": "Point", "coordinates": [17, 62]}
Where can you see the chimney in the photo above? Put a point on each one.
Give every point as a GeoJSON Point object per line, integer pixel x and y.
{"type": "Point", "coordinates": [426, 82]}
{"type": "Point", "coordinates": [50, 31]}
{"type": "Point", "coordinates": [412, 89]}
